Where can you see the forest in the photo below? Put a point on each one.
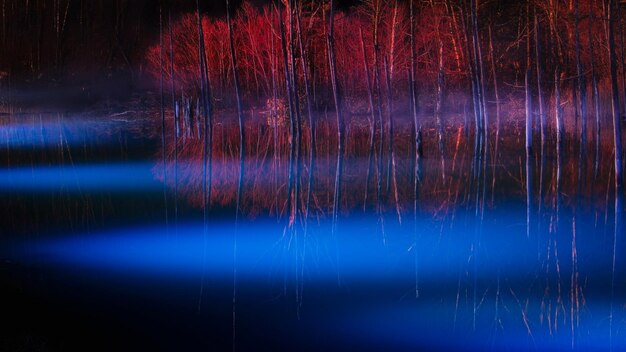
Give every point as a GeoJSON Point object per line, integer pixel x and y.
{"type": "Point", "coordinates": [313, 174]}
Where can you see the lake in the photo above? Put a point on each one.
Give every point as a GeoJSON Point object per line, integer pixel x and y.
{"type": "Point", "coordinates": [107, 247]}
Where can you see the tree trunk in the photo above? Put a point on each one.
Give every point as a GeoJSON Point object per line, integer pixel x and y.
{"type": "Point", "coordinates": [173, 93]}
{"type": "Point", "coordinates": [370, 96]}
{"type": "Point", "coordinates": [529, 114]}
{"type": "Point", "coordinates": [617, 132]}
{"type": "Point", "coordinates": [594, 95]}
{"type": "Point", "coordinates": [528, 134]}
{"type": "Point", "coordinates": [417, 136]}
{"type": "Point", "coordinates": [162, 110]}
{"type": "Point", "coordinates": [242, 138]}
{"type": "Point", "coordinates": [438, 108]}
{"type": "Point", "coordinates": [312, 145]}
{"type": "Point", "coordinates": [389, 78]}
{"type": "Point", "coordinates": [558, 114]}
{"type": "Point", "coordinates": [497, 96]}
{"type": "Point", "coordinates": [540, 97]}
{"type": "Point", "coordinates": [582, 85]}
{"type": "Point", "coordinates": [617, 140]}
{"type": "Point", "coordinates": [298, 128]}
{"type": "Point", "coordinates": [417, 126]}
{"type": "Point", "coordinates": [207, 139]}
{"type": "Point", "coordinates": [529, 174]}
{"type": "Point", "coordinates": [338, 111]}
{"type": "Point", "coordinates": [391, 167]}
{"type": "Point", "coordinates": [477, 69]}
{"type": "Point", "coordinates": [381, 123]}
{"type": "Point", "coordinates": [291, 103]}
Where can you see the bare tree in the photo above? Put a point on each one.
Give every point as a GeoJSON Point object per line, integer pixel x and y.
{"type": "Point", "coordinates": [162, 111]}
{"type": "Point", "coordinates": [242, 138]}
{"type": "Point", "coordinates": [582, 85]}
{"type": "Point", "coordinates": [594, 93]}
{"type": "Point", "coordinates": [529, 131]}
{"type": "Point", "coordinates": [292, 115]}
{"type": "Point", "coordinates": [539, 66]}
{"type": "Point", "coordinates": [312, 122]}
{"type": "Point", "coordinates": [372, 119]}
{"type": "Point", "coordinates": [438, 107]}
{"type": "Point", "coordinates": [338, 111]}
{"type": "Point", "coordinates": [617, 131]}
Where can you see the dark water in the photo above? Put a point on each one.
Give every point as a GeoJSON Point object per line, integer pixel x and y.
{"type": "Point", "coordinates": [90, 263]}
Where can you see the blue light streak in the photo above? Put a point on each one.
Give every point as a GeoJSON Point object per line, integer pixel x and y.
{"type": "Point", "coordinates": [359, 258]}
{"type": "Point", "coordinates": [120, 177]}
{"type": "Point", "coordinates": [33, 132]}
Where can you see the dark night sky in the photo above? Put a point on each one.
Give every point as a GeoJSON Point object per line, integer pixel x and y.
{"type": "Point", "coordinates": [101, 38]}
{"type": "Point", "coordinates": [217, 7]}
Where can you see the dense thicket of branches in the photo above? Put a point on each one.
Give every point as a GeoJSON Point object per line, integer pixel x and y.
{"type": "Point", "coordinates": [57, 40]}
{"type": "Point", "coordinates": [385, 25]}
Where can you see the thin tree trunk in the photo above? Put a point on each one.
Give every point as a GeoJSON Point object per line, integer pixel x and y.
{"type": "Point", "coordinates": [529, 121]}
{"type": "Point", "coordinates": [438, 108]}
{"type": "Point", "coordinates": [456, 39]}
{"type": "Point", "coordinates": [594, 94]}
{"type": "Point", "coordinates": [477, 69]}
{"type": "Point", "coordinates": [622, 54]}
{"type": "Point", "coordinates": [274, 116]}
{"type": "Point", "coordinates": [497, 96]}
{"type": "Point", "coordinates": [305, 76]}
{"type": "Point", "coordinates": [298, 127]}
{"type": "Point", "coordinates": [417, 125]}
{"type": "Point", "coordinates": [297, 149]}
{"type": "Point", "coordinates": [482, 80]}
{"type": "Point", "coordinates": [381, 123]}
{"type": "Point", "coordinates": [540, 97]}
{"type": "Point", "coordinates": [582, 85]}
{"type": "Point", "coordinates": [163, 139]}
{"type": "Point", "coordinates": [465, 120]}
{"type": "Point", "coordinates": [240, 183]}
{"type": "Point", "coordinates": [559, 136]}
{"type": "Point", "coordinates": [417, 139]}
{"type": "Point", "coordinates": [466, 57]}
{"type": "Point", "coordinates": [617, 141]}
{"type": "Point", "coordinates": [559, 155]}
{"type": "Point", "coordinates": [389, 65]}
{"type": "Point", "coordinates": [291, 103]}
{"type": "Point", "coordinates": [471, 60]}
{"type": "Point", "coordinates": [372, 119]}
{"type": "Point", "coordinates": [207, 153]}
{"type": "Point", "coordinates": [173, 93]}
{"type": "Point", "coordinates": [391, 168]}
{"type": "Point", "coordinates": [617, 132]}
{"type": "Point", "coordinates": [528, 137]}
{"type": "Point", "coordinates": [338, 110]}
{"type": "Point", "coordinates": [312, 146]}
{"type": "Point", "coordinates": [542, 115]}
{"type": "Point", "coordinates": [558, 114]}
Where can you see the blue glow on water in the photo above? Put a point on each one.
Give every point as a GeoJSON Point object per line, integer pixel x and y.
{"type": "Point", "coordinates": [442, 318]}
{"type": "Point", "coordinates": [262, 249]}
{"type": "Point", "coordinates": [411, 325]}
{"type": "Point", "coordinates": [126, 177]}
{"type": "Point", "coordinates": [32, 132]}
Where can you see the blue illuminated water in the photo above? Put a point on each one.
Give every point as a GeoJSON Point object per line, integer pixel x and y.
{"type": "Point", "coordinates": [91, 264]}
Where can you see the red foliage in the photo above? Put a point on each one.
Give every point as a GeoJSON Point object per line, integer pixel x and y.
{"type": "Point", "coordinates": [260, 61]}
{"type": "Point", "coordinates": [259, 55]}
